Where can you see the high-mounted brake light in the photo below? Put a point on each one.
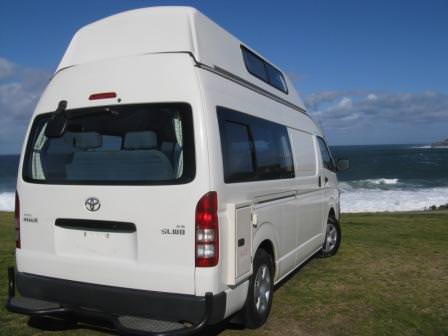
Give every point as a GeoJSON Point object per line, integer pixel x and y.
{"type": "Point", "coordinates": [102, 95]}
{"type": "Point", "coordinates": [207, 231]}
{"type": "Point", "coordinates": [17, 218]}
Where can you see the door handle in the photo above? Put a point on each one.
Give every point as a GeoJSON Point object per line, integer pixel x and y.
{"type": "Point", "coordinates": [319, 183]}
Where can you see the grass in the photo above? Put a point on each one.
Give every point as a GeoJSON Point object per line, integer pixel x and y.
{"type": "Point", "coordinates": [390, 277]}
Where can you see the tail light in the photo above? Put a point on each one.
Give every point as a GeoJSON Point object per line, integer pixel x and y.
{"type": "Point", "coordinates": [17, 217]}
{"type": "Point", "coordinates": [207, 231]}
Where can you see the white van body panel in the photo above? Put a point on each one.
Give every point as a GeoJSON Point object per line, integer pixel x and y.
{"type": "Point", "coordinates": [139, 259]}
{"type": "Point", "coordinates": [278, 220]}
{"type": "Point", "coordinates": [163, 29]}
{"type": "Point", "coordinates": [153, 30]}
{"type": "Point", "coordinates": [176, 55]}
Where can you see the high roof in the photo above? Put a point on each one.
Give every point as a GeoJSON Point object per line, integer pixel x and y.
{"type": "Point", "coordinates": [163, 29]}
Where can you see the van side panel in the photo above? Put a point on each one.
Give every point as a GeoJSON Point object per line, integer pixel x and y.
{"type": "Point", "coordinates": [310, 198]}
{"type": "Point", "coordinates": [276, 223]}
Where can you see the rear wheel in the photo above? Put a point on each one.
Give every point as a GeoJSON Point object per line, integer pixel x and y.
{"type": "Point", "coordinates": [332, 238]}
{"type": "Point", "coordinates": [261, 289]}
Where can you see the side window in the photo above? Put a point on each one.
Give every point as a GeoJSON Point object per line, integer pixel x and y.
{"type": "Point", "coordinates": [238, 156]}
{"type": "Point", "coordinates": [253, 148]}
{"type": "Point", "coordinates": [305, 153]}
{"type": "Point", "coordinates": [327, 159]}
{"type": "Point", "coordinates": [276, 78]}
{"type": "Point", "coordinates": [273, 150]}
{"type": "Point", "coordinates": [255, 65]}
{"type": "Point", "coordinates": [263, 70]}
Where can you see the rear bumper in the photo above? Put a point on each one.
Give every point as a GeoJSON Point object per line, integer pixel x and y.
{"type": "Point", "coordinates": [49, 296]}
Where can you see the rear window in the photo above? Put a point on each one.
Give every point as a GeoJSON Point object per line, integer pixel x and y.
{"type": "Point", "coordinates": [126, 144]}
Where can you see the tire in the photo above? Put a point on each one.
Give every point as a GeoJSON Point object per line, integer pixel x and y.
{"type": "Point", "coordinates": [261, 290]}
{"type": "Point", "coordinates": [332, 240]}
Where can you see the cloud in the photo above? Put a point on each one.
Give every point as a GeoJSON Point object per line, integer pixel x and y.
{"type": "Point", "coordinates": [20, 89]}
{"type": "Point", "coordinates": [6, 68]}
{"type": "Point", "coordinates": [355, 109]}
{"type": "Point", "coordinates": [345, 103]}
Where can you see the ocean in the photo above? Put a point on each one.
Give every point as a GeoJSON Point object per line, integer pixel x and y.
{"type": "Point", "coordinates": [8, 176]}
{"type": "Point", "coordinates": [393, 177]}
{"type": "Point", "coordinates": [380, 178]}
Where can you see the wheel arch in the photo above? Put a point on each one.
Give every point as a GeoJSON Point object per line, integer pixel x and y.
{"type": "Point", "coordinates": [332, 210]}
{"type": "Point", "coordinates": [268, 246]}
{"type": "Point", "coordinates": [266, 238]}
{"type": "Point", "coordinates": [332, 213]}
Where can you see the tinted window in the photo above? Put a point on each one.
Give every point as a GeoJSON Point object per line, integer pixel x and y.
{"type": "Point", "coordinates": [263, 70]}
{"type": "Point", "coordinates": [272, 150]}
{"type": "Point", "coordinates": [238, 151]}
{"type": "Point", "coordinates": [255, 65]}
{"type": "Point", "coordinates": [276, 78]}
{"type": "Point", "coordinates": [127, 144]}
{"type": "Point", "coordinates": [327, 159]}
{"type": "Point", "coordinates": [253, 148]}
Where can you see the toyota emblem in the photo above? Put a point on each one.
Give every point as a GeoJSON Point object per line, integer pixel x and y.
{"type": "Point", "coordinates": [92, 204]}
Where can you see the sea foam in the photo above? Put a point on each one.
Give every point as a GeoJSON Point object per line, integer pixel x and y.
{"type": "Point", "coordinates": [383, 181]}
{"type": "Point", "coordinates": [379, 183]}
{"type": "Point", "coordinates": [6, 201]}
{"type": "Point", "coordinates": [378, 200]}
{"type": "Point", "coordinates": [422, 147]}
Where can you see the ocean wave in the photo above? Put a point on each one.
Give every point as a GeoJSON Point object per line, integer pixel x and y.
{"type": "Point", "coordinates": [422, 147]}
{"type": "Point", "coordinates": [383, 181]}
{"type": "Point", "coordinates": [377, 200]}
{"type": "Point", "coordinates": [379, 183]}
{"type": "Point", "coordinates": [429, 147]}
{"type": "Point", "coordinates": [7, 201]}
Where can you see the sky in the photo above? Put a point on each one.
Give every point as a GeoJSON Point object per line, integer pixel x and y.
{"type": "Point", "coordinates": [369, 72]}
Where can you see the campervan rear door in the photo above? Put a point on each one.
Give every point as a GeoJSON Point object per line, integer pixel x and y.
{"type": "Point", "coordinates": [112, 201]}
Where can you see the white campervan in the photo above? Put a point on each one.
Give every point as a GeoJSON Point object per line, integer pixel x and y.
{"type": "Point", "coordinates": [170, 178]}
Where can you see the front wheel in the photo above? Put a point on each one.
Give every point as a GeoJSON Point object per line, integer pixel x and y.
{"type": "Point", "coordinates": [332, 239]}
{"type": "Point", "coordinates": [261, 289]}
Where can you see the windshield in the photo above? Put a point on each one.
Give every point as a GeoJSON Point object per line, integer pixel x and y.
{"type": "Point", "coordinates": [128, 144]}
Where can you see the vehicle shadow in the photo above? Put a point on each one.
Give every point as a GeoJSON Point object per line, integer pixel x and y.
{"type": "Point", "coordinates": [44, 323]}
{"type": "Point", "coordinates": [294, 273]}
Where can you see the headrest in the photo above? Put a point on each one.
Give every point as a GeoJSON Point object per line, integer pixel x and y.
{"type": "Point", "coordinates": [140, 140]}
{"type": "Point", "coordinates": [88, 140]}
{"type": "Point", "coordinates": [167, 146]}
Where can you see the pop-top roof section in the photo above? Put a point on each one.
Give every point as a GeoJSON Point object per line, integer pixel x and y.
{"type": "Point", "coordinates": [135, 32]}
{"type": "Point", "coordinates": [164, 29]}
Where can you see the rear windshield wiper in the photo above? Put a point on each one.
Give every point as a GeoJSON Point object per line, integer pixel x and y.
{"type": "Point", "coordinates": [57, 124]}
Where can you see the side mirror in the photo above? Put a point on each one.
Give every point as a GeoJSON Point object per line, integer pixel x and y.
{"type": "Point", "coordinates": [56, 125]}
{"type": "Point", "coordinates": [342, 164]}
